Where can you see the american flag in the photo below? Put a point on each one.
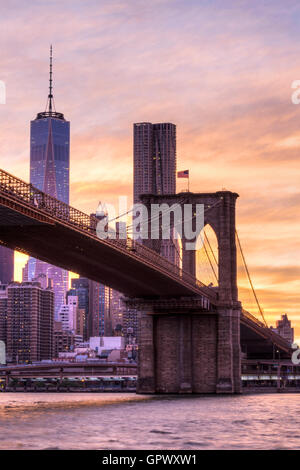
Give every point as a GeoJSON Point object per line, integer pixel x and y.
{"type": "Point", "coordinates": [183, 174]}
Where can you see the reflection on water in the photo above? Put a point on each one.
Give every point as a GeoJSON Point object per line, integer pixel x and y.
{"type": "Point", "coordinates": [129, 421]}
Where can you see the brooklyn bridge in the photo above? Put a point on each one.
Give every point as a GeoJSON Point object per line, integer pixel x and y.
{"type": "Point", "coordinates": [192, 336]}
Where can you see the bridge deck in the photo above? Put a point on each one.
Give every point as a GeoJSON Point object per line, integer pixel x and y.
{"type": "Point", "coordinates": [37, 224]}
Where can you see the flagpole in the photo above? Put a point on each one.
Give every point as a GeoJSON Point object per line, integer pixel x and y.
{"type": "Point", "coordinates": [188, 182]}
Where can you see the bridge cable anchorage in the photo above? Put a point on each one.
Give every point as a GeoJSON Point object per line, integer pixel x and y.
{"type": "Point", "coordinates": [250, 280]}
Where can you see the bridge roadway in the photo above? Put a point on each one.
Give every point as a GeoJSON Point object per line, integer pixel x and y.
{"type": "Point", "coordinates": [39, 225]}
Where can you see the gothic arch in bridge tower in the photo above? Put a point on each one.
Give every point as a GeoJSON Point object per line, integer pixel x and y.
{"type": "Point", "coordinates": [219, 213]}
{"type": "Point", "coordinates": [207, 257]}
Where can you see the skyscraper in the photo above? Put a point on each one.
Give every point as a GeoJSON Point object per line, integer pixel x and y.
{"type": "Point", "coordinates": [3, 313]}
{"type": "Point", "coordinates": [154, 159]}
{"type": "Point", "coordinates": [49, 172]}
{"type": "Point", "coordinates": [30, 311]}
{"type": "Point", "coordinates": [105, 323]}
{"type": "Point", "coordinates": [6, 265]}
{"type": "Point", "coordinates": [154, 150]}
{"type": "Point", "coordinates": [88, 294]}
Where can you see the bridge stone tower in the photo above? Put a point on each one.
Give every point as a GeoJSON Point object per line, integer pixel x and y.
{"type": "Point", "coordinates": [184, 346]}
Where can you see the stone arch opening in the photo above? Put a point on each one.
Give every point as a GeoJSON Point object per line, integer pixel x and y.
{"type": "Point", "coordinates": [207, 257]}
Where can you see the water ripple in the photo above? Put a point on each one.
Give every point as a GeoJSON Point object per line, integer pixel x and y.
{"type": "Point", "coordinates": [121, 421]}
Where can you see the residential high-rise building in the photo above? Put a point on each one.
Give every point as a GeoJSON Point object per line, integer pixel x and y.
{"type": "Point", "coordinates": [68, 314]}
{"type": "Point", "coordinates": [117, 308]}
{"type": "Point", "coordinates": [130, 325]}
{"type": "Point", "coordinates": [154, 158]}
{"type": "Point", "coordinates": [63, 341]}
{"type": "Point", "coordinates": [154, 151]}
{"type": "Point", "coordinates": [30, 318]}
{"type": "Point", "coordinates": [6, 265]}
{"type": "Point", "coordinates": [49, 172]}
{"type": "Point", "coordinates": [3, 313]}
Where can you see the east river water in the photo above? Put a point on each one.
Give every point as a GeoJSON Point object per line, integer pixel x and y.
{"type": "Point", "coordinates": [129, 421]}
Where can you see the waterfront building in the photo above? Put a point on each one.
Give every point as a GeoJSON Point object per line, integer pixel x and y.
{"type": "Point", "coordinates": [30, 318]}
{"type": "Point", "coordinates": [63, 341]}
{"type": "Point", "coordinates": [130, 325]}
{"type": "Point", "coordinates": [3, 313]}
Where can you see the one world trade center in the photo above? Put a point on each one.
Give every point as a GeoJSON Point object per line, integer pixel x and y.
{"type": "Point", "coordinates": [49, 172]}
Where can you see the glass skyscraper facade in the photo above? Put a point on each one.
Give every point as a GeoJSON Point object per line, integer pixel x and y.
{"type": "Point", "coordinates": [50, 156]}
{"type": "Point", "coordinates": [49, 172]}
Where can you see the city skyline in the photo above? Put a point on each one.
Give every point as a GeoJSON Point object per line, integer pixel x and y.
{"type": "Point", "coordinates": [232, 115]}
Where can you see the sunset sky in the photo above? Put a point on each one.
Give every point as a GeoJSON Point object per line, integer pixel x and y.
{"type": "Point", "coordinates": [220, 70]}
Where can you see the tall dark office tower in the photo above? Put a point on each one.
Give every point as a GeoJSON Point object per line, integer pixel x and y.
{"type": "Point", "coordinates": [6, 265]}
{"type": "Point", "coordinates": [154, 159]}
{"type": "Point", "coordinates": [49, 172]}
{"type": "Point", "coordinates": [89, 299]}
{"type": "Point", "coordinates": [155, 168]}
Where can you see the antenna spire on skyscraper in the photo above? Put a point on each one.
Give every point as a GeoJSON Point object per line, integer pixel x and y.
{"type": "Point", "coordinates": [50, 110]}
{"type": "Point", "coordinates": [50, 96]}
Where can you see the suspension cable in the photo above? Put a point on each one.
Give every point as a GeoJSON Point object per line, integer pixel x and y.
{"type": "Point", "coordinates": [250, 280]}
{"type": "Point", "coordinates": [208, 257]}
{"type": "Point", "coordinates": [211, 250]}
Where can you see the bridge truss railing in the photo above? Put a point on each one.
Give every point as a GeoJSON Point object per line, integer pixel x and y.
{"type": "Point", "coordinates": [254, 319]}
{"type": "Point", "coordinates": [274, 337]}
{"type": "Point", "coordinates": [37, 199]}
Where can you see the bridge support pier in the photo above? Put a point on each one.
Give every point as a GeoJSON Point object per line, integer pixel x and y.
{"type": "Point", "coordinates": [186, 349]}
{"type": "Point", "coordinates": [228, 350]}
{"type": "Point", "coordinates": [146, 363]}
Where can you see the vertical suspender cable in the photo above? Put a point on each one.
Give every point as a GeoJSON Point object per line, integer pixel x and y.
{"type": "Point", "coordinates": [250, 281]}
